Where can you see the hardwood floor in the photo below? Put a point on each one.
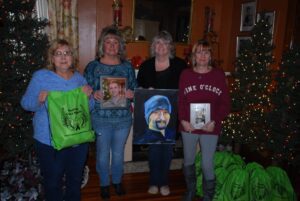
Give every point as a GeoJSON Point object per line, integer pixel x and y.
{"type": "Point", "coordinates": [136, 185]}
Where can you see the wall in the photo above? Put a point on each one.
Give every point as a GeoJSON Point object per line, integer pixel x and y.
{"type": "Point", "coordinates": [93, 15]}
{"type": "Point", "coordinates": [96, 14]}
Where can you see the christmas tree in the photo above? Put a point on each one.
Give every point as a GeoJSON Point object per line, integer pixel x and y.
{"type": "Point", "coordinates": [250, 90]}
{"type": "Point", "coordinates": [23, 50]}
{"type": "Point", "coordinates": [284, 119]}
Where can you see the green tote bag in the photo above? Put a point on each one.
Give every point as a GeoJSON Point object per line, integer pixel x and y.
{"type": "Point", "coordinates": [70, 120]}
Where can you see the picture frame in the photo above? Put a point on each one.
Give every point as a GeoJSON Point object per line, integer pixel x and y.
{"type": "Point", "coordinates": [199, 114]}
{"type": "Point", "coordinates": [270, 17]}
{"type": "Point", "coordinates": [113, 89]}
{"type": "Point", "coordinates": [148, 126]}
{"type": "Point", "coordinates": [248, 15]}
{"type": "Point", "coordinates": [241, 43]}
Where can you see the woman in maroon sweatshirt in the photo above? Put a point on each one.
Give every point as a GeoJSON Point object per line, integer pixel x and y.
{"type": "Point", "coordinates": [203, 103]}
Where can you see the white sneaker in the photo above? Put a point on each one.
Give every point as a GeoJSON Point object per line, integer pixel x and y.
{"type": "Point", "coordinates": [164, 190]}
{"type": "Point", "coordinates": [153, 190]}
{"type": "Point", "coordinates": [85, 176]}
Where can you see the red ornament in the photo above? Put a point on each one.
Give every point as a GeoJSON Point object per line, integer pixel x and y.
{"type": "Point", "coordinates": [136, 61]}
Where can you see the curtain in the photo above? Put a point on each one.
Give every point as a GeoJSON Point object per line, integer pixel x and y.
{"type": "Point", "coordinates": [64, 22]}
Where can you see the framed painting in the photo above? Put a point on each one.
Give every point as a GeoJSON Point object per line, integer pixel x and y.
{"type": "Point", "coordinates": [241, 43]}
{"type": "Point", "coordinates": [270, 17]}
{"type": "Point", "coordinates": [113, 89]}
{"type": "Point", "coordinates": [155, 116]}
{"type": "Point", "coordinates": [248, 15]}
{"type": "Point", "coordinates": [199, 114]}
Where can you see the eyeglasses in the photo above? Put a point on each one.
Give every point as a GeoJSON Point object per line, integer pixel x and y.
{"type": "Point", "coordinates": [61, 54]}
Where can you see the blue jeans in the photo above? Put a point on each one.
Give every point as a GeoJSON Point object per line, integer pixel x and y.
{"type": "Point", "coordinates": [160, 156]}
{"type": "Point", "coordinates": [68, 162]}
{"type": "Point", "coordinates": [110, 139]}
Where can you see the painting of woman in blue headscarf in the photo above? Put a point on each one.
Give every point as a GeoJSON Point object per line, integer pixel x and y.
{"type": "Point", "coordinates": [155, 116]}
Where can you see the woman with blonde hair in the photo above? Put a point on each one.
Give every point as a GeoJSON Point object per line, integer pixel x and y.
{"type": "Point", "coordinates": [202, 83]}
{"type": "Point", "coordinates": [60, 75]}
{"type": "Point", "coordinates": [112, 125]}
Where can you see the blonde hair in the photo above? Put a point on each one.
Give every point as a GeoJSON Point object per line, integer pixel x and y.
{"type": "Point", "coordinates": [113, 31]}
{"type": "Point", "coordinates": [52, 49]}
{"type": "Point", "coordinates": [205, 44]}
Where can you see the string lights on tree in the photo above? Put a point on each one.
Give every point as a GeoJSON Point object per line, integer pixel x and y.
{"type": "Point", "coordinates": [23, 50]}
{"type": "Point", "coordinates": [284, 116]}
{"type": "Point", "coordinates": [250, 90]}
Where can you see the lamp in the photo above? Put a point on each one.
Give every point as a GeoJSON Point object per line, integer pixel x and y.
{"type": "Point", "coordinates": [117, 12]}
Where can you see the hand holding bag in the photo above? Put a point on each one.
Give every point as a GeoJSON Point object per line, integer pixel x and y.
{"type": "Point", "coordinates": [69, 117]}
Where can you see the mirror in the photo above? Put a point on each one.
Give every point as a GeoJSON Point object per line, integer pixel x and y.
{"type": "Point", "coordinates": [152, 16]}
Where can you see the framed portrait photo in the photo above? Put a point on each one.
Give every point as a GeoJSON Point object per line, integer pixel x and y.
{"type": "Point", "coordinates": [248, 15]}
{"type": "Point", "coordinates": [155, 116]}
{"type": "Point", "coordinates": [199, 114]}
{"type": "Point", "coordinates": [113, 89]}
{"type": "Point", "coordinates": [270, 17]}
{"type": "Point", "coordinates": [241, 43]}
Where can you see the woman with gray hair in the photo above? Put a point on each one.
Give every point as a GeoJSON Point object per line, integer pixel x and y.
{"type": "Point", "coordinates": [161, 71]}
{"type": "Point", "coordinates": [111, 125]}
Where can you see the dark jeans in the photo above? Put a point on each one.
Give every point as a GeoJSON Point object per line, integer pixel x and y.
{"type": "Point", "coordinates": [55, 165]}
{"type": "Point", "coordinates": [160, 156]}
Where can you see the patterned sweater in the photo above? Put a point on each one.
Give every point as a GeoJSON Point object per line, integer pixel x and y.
{"type": "Point", "coordinates": [93, 72]}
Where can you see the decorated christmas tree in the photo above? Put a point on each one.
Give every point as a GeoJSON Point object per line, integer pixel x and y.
{"type": "Point", "coordinates": [23, 50]}
{"type": "Point", "coordinates": [284, 119]}
{"type": "Point", "coordinates": [250, 89]}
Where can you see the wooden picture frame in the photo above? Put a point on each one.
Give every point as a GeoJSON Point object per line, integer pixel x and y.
{"type": "Point", "coordinates": [270, 17]}
{"type": "Point", "coordinates": [113, 89]}
{"type": "Point", "coordinates": [248, 15]}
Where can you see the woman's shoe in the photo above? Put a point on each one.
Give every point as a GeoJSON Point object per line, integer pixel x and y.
{"type": "Point", "coordinates": [119, 189]}
{"type": "Point", "coordinates": [165, 190]}
{"type": "Point", "coordinates": [153, 190]}
{"type": "Point", "coordinates": [105, 192]}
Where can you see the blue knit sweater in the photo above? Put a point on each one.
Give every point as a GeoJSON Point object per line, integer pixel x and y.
{"type": "Point", "coordinates": [46, 80]}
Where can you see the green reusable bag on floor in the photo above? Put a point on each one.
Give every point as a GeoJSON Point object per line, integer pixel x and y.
{"type": "Point", "coordinates": [260, 187]}
{"type": "Point", "coordinates": [282, 189]}
{"type": "Point", "coordinates": [69, 117]}
{"type": "Point", "coordinates": [235, 187]}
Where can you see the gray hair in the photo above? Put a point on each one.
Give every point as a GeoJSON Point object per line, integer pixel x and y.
{"type": "Point", "coordinates": [165, 36]}
{"type": "Point", "coordinates": [112, 31]}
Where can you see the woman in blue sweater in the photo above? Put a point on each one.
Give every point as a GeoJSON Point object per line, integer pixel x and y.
{"type": "Point", "coordinates": [112, 125]}
{"type": "Point", "coordinates": [60, 75]}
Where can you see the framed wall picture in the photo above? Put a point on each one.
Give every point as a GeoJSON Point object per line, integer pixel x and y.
{"type": "Point", "coordinates": [199, 114]}
{"type": "Point", "coordinates": [270, 17]}
{"type": "Point", "coordinates": [241, 42]}
{"type": "Point", "coordinates": [155, 116]}
{"type": "Point", "coordinates": [113, 89]}
{"type": "Point", "coordinates": [248, 15]}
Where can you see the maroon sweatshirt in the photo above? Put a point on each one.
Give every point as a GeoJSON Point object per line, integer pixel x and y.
{"type": "Point", "coordinates": [208, 87]}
